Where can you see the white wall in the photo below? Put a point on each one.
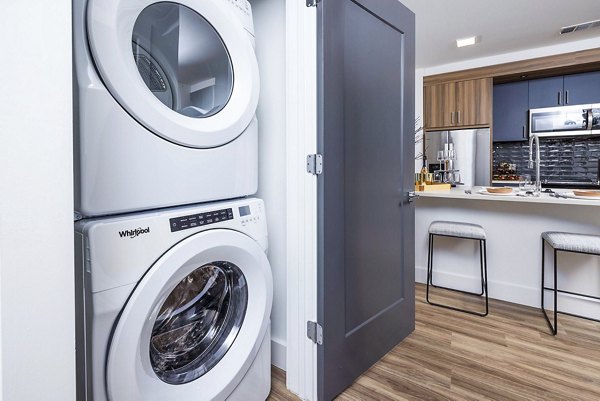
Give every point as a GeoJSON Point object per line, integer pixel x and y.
{"type": "Point", "coordinates": [492, 60]}
{"type": "Point", "coordinates": [36, 208]}
{"type": "Point", "coordinates": [514, 56]}
{"type": "Point", "coordinates": [269, 24]}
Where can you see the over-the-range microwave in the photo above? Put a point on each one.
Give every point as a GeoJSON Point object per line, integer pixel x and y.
{"type": "Point", "coordinates": [565, 120]}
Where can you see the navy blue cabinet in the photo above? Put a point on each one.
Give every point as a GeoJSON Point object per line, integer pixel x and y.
{"type": "Point", "coordinates": [511, 104]}
{"type": "Point", "coordinates": [582, 88]}
{"type": "Point", "coordinates": [565, 90]}
{"type": "Point", "coordinates": [546, 92]}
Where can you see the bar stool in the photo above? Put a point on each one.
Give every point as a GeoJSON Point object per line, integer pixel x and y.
{"type": "Point", "coordinates": [566, 242]}
{"type": "Point", "coordinates": [463, 231]}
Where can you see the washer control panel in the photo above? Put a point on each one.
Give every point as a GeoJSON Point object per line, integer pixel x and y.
{"type": "Point", "coordinates": [200, 219]}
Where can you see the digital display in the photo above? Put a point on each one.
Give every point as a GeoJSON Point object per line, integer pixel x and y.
{"type": "Point", "coordinates": [244, 211]}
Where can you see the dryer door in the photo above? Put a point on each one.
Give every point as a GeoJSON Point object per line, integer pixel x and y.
{"type": "Point", "coordinates": [194, 323]}
{"type": "Point", "coordinates": [185, 70]}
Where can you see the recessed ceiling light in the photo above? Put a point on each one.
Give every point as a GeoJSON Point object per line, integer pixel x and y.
{"type": "Point", "coordinates": [466, 41]}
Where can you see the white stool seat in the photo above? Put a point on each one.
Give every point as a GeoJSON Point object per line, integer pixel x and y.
{"type": "Point", "coordinates": [456, 229]}
{"type": "Point", "coordinates": [582, 243]}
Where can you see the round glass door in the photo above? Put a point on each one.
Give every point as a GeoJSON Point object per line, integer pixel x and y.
{"type": "Point", "coordinates": [186, 70]}
{"type": "Point", "coordinates": [198, 322]}
{"type": "Point", "coordinates": [182, 59]}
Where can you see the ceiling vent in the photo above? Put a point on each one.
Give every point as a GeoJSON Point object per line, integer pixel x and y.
{"type": "Point", "coordinates": [580, 27]}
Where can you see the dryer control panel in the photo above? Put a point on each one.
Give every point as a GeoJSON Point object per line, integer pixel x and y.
{"type": "Point", "coordinates": [200, 219]}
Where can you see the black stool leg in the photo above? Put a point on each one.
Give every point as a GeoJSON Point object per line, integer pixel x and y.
{"type": "Point", "coordinates": [543, 269]}
{"type": "Point", "coordinates": [555, 295]}
{"type": "Point", "coordinates": [483, 263]}
{"type": "Point", "coordinates": [430, 243]}
{"type": "Point", "coordinates": [484, 271]}
{"type": "Point", "coordinates": [554, 328]}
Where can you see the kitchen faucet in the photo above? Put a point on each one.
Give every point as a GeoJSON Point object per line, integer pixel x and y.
{"type": "Point", "coordinates": [538, 182]}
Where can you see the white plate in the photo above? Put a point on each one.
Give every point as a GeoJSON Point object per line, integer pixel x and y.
{"type": "Point", "coordinates": [572, 195]}
{"type": "Point", "coordinates": [485, 192]}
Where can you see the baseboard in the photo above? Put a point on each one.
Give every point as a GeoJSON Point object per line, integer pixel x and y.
{"type": "Point", "coordinates": [514, 293]}
{"type": "Point", "coordinates": [278, 352]}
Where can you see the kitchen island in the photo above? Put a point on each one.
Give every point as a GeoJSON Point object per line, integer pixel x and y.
{"type": "Point", "coordinates": [513, 225]}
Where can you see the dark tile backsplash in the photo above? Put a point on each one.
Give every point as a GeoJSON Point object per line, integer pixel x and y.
{"type": "Point", "coordinates": [563, 159]}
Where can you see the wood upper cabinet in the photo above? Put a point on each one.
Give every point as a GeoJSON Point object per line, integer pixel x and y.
{"type": "Point", "coordinates": [474, 102]}
{"type": "Point", "coordinates": [440, 102]}
{"type": "Point", "coordinates": [458, 104]}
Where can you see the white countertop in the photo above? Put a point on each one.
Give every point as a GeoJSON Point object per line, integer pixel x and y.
{"type": "Point", "coordinates": [459, 193]}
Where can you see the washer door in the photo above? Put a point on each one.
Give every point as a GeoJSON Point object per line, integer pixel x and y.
{"type": "Point", "coordinates": [194, 323]}
{"type": "Point", "coordinates": [185, 70]}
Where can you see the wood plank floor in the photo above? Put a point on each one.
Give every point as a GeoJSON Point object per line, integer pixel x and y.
{"type": "Point", "coordinates": [508, 355]}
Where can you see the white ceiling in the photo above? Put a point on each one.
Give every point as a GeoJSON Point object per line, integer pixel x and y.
{"type": "Point", "coordinates": [504, 25]}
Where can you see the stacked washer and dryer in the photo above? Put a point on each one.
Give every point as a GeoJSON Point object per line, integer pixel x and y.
{"type": "Point", "coordinates": [173, 285]}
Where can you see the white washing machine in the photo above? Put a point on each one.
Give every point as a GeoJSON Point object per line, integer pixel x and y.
{"type": "Point", "coordinates": [174, 305]}
{"type": "Point", "coordinates": [165, 101]}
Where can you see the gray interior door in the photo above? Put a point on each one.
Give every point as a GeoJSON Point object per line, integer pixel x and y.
{"type": "Point", "coordinates": [366, 224]}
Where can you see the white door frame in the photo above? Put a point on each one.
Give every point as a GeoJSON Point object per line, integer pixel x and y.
{"type": "Point", "coordinates": [301, 193]}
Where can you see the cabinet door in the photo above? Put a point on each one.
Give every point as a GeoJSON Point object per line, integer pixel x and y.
{"type": "Point", "coordinates": [582, 88]}
{"type": "Point", "coordinates": [473, 102]}
{"type": "Point", "coordinates": [439, 105]}
{"type": "Point", "coordinates": [546, 92]}
{"type": "Point", "coordinates": [511, 104]}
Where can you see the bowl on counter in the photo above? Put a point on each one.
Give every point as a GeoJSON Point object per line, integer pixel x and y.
{"type": "Point", "coordinates": [499, 190]}
{"type": "Point", "coordinates": [586, 192]}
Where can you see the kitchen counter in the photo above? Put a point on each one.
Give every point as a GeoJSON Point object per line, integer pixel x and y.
{"type": "Point", "coordinates": [513, 227]}
{"type": "Point", "coordinates": [459, 193]}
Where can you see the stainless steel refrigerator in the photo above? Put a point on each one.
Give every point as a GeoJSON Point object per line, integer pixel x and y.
{"type": "Point", "coordinates": [473, 153]}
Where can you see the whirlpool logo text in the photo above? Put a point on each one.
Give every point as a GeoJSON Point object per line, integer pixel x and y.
{"type": "Point", "coordinates": [134, 233]}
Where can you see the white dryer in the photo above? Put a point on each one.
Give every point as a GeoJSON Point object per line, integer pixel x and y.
{"type": "Point", "coordinates": [174, 305]}
{"type": "Point", "coordinates": [165, 101]}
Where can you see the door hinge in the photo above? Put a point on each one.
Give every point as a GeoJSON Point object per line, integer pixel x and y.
{"type": "Point", "coordinates": [314, 332]}
{"type": "Point", "coordinates": [412, 196]}
{"type": "Point", "coordinates": [312, 3]}
{"type": "Point", "coordinates": [314, 164]}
